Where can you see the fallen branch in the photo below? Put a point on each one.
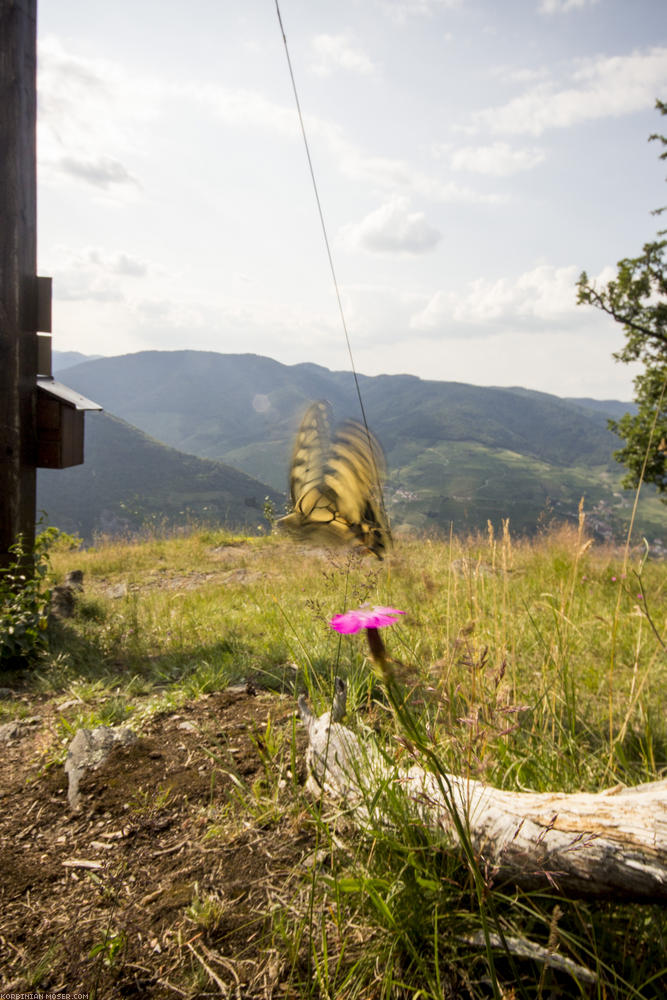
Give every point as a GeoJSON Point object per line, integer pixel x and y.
{"type": "Point", "coordinates": [523, 948]}
{"type": "Point", "coordinates": [606, 845]}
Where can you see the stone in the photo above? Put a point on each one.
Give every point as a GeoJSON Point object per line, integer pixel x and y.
{"type": "Point", "coordinates": [88, 751]}
{"type": "Point", "coordinates": [10, 731]}
{"type": "Point", "coordinates": [17, 728]}
{"type": "Point", "coordinates": [62, 601]}
{"type": "Point", "coordinates": [74, 579]}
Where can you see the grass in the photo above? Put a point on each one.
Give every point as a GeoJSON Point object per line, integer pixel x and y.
{"type": "Point", "coordinates": [534, 664]}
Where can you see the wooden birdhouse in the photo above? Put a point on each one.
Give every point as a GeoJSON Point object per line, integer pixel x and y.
{"type": "Point", "coordinates": [60, 415]}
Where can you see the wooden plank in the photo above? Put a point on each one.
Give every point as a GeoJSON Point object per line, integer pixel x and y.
{"type": "Point", "coordinates": [18, 263]}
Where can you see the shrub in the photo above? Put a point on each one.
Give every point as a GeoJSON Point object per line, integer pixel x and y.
{"type": "Point", "coordinates": [24, 601]}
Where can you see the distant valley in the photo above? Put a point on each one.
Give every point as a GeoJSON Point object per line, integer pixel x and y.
{"type": "Point", "coordinates": [130, 483]}
{"type": "Point", "coordinates": [457, 454]}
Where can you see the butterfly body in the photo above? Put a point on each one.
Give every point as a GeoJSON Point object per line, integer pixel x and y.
{"type": "Point", "coordinates": [335, 484]}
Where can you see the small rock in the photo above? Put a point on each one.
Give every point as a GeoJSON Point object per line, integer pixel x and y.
{"type": "Point", "coordinates": [17, 728]}
{"type": "Point", "coordinates": [88, 751]}
{"type": "Point", "coordinates": [317, 859]}
{"type": "Point", "coordinates": [74, 579]}
{"type": "Point", "coordinates": [240, 688]}
{"type": "Point", "coordinates": [116, 591]}
{"type": "Point", "coordinates": [62, 601]}
{"type": "Point", "coordinates": [10, 731]}
{"type": "Point", "coordinates": [68, 704]}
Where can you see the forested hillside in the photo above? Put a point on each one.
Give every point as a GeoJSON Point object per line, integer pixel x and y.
{"type": "Point", "coordinates": [456, 454]}
{"type": "Point", "coordinates": [129, 481]}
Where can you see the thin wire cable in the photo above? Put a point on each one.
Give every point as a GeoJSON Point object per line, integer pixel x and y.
{"type": "Point", "coordinates": [361, 407]}
{"type": "Point", "coordinates": [329, 254]}
{"type": "Point", "coordinates": [319, 209]}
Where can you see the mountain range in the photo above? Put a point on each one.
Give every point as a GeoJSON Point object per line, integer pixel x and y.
{"type": "Point", "coordinates": [457, 454]}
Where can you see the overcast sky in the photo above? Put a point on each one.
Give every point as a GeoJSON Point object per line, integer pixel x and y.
{"type": "Point", "coordinates": [472, 157]}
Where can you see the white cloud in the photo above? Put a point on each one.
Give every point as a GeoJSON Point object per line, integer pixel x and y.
{"type": "Point", "coordinates": [337, 52]}
{"type": "Point", "coordinates": [544, 295]}
{"type": "Point", "coordinates": [65, 80]}
{"type": "Point", "coordinates": [89, 101]}
{"type": "Point", "coordinates": [118, 263]}
{"type": "Point", "coordinates": [239, 107]}
{"type": "Point", "coordinates": [216, 322]}
{"type": "Point", "coordinates": [93, 126]}
{"type": "Point", "coordinates": [93, 274]}
{"type": "Point", "coordinates": [91, 118]}
{"type": "Point", "coordinates": [93, 105]}
{"type": "Point", "coordinates": [389, 176]}
{"type": "Point", "coordinates": [499, 159]}
{"type": "Point", "coordinates": [401, 10]}
{"type": "Point", "coordinates": [82, 286]}
{"type": "Point", "coordinates": [386, 175]}
{"type": "Point", "coordinates": [567, 362]}
{"type": "Point", "coordinates": [393, 228]}
{"type": "Point", "coordinates": [100, 171]}
{"type": "Point", "coordinates": [605, 86]}
{"type": "Point", "coordinates": [562, 6]}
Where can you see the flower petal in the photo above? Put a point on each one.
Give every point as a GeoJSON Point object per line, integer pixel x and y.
{"type": "Point", "coordinates": [347, 622]}
{"type": "Point", "coordinates": [352, 621]}
{"type": "Point", "coordinates": [387, 612]}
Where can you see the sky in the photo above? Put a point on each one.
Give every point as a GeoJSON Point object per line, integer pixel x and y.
{"type": "Point", "coordinates": [471, 159]}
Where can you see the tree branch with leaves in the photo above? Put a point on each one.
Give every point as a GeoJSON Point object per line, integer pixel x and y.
{"type": "Point", "coordinates": [637, 299]}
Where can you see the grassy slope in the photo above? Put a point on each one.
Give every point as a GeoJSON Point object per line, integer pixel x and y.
{"type": "Point", "coordinates": [468, 484]}
{"type": "Point", "coordinates": [533, 662]}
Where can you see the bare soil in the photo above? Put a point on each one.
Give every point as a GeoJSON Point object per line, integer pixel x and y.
{"type": "Point", "coordinates": [161, 884]}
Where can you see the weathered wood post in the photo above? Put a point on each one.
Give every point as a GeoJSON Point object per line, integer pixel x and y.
{"type": "Point", "coordinates": [18, 269]}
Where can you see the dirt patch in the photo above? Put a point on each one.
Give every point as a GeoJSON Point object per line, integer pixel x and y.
{"type": "Point", "coordinates": [226, 564]}
{"type": "Point", "coordinates": [161, 885]}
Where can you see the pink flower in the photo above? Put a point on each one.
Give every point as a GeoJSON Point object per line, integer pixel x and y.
{"type": "Point", "coordinates": [365, 617]}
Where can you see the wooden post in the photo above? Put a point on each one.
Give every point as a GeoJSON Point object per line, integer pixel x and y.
{"type": "Point", "coordinates": [18, 268]}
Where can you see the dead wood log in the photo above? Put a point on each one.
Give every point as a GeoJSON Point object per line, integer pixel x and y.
{"type": "Point", "coordinates": [606, 845]}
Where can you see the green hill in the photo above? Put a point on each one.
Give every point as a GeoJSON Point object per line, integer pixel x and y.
{"type": "Point", "coordinates": [456, 453]}
{"type": "Point", "coordinates": [215, 404]}
{"type": "Point", "coordinates": [129, 481]}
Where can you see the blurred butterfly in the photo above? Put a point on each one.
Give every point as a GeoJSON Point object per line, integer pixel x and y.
{"type": "Point", "coordinates": [335, 484]}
